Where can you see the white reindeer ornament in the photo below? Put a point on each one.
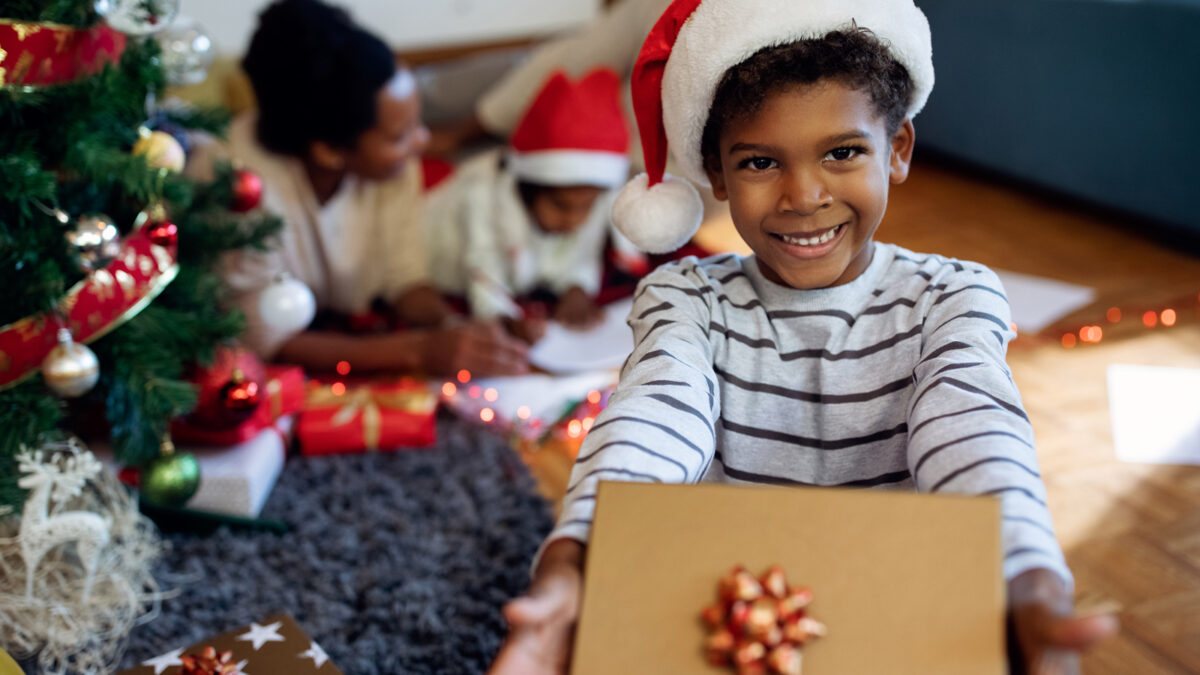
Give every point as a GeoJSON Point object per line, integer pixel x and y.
{"type": "Point", "coordinates": [42, 530]}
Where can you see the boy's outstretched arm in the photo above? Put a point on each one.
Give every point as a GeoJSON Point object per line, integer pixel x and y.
{"type": "Point", "coordinates": [1045, 635]}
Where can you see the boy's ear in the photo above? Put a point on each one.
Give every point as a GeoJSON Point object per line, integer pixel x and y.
{"type": "Point", "coordinates": [326, 156]}
{"type": "Point", "coordinates": [902, 151]}
{"type": "Point", "coordinates": [712, 167]}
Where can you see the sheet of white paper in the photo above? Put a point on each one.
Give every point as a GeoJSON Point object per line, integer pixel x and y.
{"type": "Point", "coordinates": [605, 346]}
{"type": "Point", "coordinates": [546, 396]}
{"type": "Point", "coordinates": [1038, 302]}
{"type": "Point", "coordinates": [1155, 413]}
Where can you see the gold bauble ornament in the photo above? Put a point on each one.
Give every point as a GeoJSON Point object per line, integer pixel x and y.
{"type": "Point", "coordinates": [70, 369]}
{"type": "Point", "coordinates": [160, 149]}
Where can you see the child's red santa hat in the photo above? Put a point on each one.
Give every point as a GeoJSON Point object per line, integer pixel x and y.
{"type": "Point", "coordinates": [573, 133]}
{"type": "Point", "coordinates": [682, 62]}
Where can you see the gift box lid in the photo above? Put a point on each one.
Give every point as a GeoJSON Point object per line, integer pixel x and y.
{"type": "Point", "coordinates": [905, 583]}
{"type": "Point", "coordinates": [274, 645]}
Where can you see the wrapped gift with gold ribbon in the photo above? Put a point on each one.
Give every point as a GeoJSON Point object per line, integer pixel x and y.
{"type": "Point", "coordinates": [283, 393]}
{"type": "Point", "coordinates": [366, 417]}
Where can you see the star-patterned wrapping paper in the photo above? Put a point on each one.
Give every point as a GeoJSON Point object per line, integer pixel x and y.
{"type": "Point", "coordinates": [274, 646]}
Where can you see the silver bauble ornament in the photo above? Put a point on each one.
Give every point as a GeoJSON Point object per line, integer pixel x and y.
{"type": "Point", "coordinates": [95, 242]}
{"type": "Point", "coordinates": [287, 305]}
{"type": "Point", "coordinates": [138, 17]}
{"type": "Point", "coordinates": [187, 51]}
{"type": "Point", "coordinates": [70, 369]}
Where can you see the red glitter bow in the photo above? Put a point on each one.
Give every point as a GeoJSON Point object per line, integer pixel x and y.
{"type": "Point", "coordinates": [759, 625]}
{"type": "Point", "coordinates": [209, 662]}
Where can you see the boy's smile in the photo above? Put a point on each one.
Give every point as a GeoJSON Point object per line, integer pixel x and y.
{"type": "Point", "coordinates": [807, 181]}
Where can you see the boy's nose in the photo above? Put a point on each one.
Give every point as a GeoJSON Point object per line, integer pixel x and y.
{"type": "Point", "coordinates": [804, 192]}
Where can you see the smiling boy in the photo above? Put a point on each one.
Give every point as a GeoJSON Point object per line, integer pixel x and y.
{"type": "Point", "coordinates": [825, 358]}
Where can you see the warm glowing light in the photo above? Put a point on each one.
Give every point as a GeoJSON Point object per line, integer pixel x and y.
{"type": "Point", "coordinates": [593, 397]}
{"type": "Point", "coordinates": [1168, 317]}
{"type": "Point", "coordinates": [337, 388]}
{"type": "Point", "coordinates": [588, 422]}
{"type": "Point", "coordinates": [464, 376]}
{"type": "Point", "coordinates": [1090, 333]}
{"type": "Point", "coordinates": [449, 389]}
{"type": "Point", "coordinates": [1068, 340]}
{"type": "Point", "coordinates": [487, 414]}
{"type": "Point", "coordinates": [524, 412]}
{"type": "Point", "coordinates": [343, 367]}
{"type": "Point", "coordinates": [574, 428]}
{"type": "Point", "coordinates": [491, 394]}
{"type": "Point", "coordinates": [474, 391]}
{"type": "Point", "coordinates": [1013, 326]}
{"type": "Point", "coordinates": [1150, 319]}
{"type": "Point", "coordinates": [1113, 314]}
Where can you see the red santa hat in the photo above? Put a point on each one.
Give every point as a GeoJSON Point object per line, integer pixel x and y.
{"type": "Point", "coordinates": [574, 133]}
{"type": "Point", "coordinates": [683, 60]}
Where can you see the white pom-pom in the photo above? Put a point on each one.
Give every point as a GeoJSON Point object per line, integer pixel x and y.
{"type": "Point", "coordinates": [659, 219]}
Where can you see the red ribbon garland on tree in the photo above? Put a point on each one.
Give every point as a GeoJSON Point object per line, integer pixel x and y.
{"type": "Point", "coordinates": [38, 54]}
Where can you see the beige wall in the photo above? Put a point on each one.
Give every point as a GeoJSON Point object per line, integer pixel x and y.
{"type": "Point", "coordinates": [410, 24]}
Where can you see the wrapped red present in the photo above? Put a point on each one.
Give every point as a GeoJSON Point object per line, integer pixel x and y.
{"type": "Point", "coordinates": [283, 393]}
{"type": "Point", "coordinates": [366, 417]}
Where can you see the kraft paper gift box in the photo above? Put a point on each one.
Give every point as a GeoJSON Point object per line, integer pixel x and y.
{"type": "Point", "coordinates": [904, 583]}
{"type": "Point", "coordinates": [276, 645]}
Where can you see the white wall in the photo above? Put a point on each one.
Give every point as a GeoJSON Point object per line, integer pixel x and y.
{"type": "Point", "coordinates": [409, 24]}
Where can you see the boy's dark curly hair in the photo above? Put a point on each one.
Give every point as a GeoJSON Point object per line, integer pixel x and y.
{"type": "Point", "coordinates": [853, 57]}
{"type": "Point", "coordinates": [315, 74]}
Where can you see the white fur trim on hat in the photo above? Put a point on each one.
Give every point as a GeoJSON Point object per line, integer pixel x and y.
{"type": "Point", "coordinates": [570, 167]}
{"type": "Point", "coordinates": [659, 219]}
{"type": "Point", "coordinates": [722, 33]}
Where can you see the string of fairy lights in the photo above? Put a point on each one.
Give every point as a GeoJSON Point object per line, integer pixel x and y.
{"type": "Point", "coordinates": [1151, 319]}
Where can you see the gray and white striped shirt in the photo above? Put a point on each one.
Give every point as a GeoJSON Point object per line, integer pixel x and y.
{"type": "Point", "coordinates": [897, 379]}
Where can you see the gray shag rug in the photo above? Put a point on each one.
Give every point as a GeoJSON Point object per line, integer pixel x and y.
{"type": "Point", "coordinates": [394, 563]}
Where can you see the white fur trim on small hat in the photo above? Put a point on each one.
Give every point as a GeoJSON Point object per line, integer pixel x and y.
{"type": "Point", "coordinates": [722, 33]}
{"type": "Point", "coordinates": [570, 167]}
{"type": "Point", "coordinates": [659, 219]}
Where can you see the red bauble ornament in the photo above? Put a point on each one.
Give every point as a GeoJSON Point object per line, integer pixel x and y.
{"type": "Point", "coordinates": [130, 476]}
{"type": "Point", "coordinates": [240, 398]}
{"type": "Point", "coordinates": [247, 190]}
{"type": "Point", "coordinates": [223, 391]}
{"type": "Point", "coordinates": [164, 233]}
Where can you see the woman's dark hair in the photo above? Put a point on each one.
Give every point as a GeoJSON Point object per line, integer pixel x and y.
{"type": "Point", "coordinates": [853, 57]}
{"type": "Point", "coordinates": [316, 75]}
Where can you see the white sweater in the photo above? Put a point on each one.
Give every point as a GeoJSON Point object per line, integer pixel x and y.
{"type": "Point", "coordinates": [897, 379]}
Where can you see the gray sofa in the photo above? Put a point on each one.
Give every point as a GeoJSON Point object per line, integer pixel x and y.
{"type": "Point", "coordinates": [1098, 100]}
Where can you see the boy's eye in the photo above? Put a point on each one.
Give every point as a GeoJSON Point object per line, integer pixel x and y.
{"type": "Point", "coordinates": [844, 153]}
{"type": "Point", "coordinates": [757, 163]}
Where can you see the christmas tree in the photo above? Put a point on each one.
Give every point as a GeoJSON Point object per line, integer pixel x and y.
{"type": "Point", "coordinates": [107, 249]}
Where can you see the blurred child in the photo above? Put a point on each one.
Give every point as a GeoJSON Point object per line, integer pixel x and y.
{"type": "Point", "coordinates": [337, 129]}
{"type": "Point", "coordinates": [825, 358]}
{"type": "Point", "coordinates": [535, 216]}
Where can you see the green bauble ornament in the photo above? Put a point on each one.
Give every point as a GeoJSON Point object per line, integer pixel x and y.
{"type": "Point", "coordinates": [171, 479]}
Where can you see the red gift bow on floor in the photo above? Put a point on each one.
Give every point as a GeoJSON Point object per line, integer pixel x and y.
{"type": "Point", "coordinates": [209, 662]}
{"type": "Point", "coordinates": [759, 625]}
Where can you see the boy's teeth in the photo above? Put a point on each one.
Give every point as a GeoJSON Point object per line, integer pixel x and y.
{"type": "Point", "coordinates": [810, 241]}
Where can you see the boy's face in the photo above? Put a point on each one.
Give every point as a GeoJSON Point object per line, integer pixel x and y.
{"type": "Point", "coordinates": [562, 210]}
{"type": "Point", "coordinates": [398, 135]}
{"type": "Point", "coordinates": [807, 181]}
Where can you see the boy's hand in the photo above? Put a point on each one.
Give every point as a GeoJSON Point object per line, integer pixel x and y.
{"type": "Point", "coordinates": [541, 624]}
{"type": "Point", "coordinates": [1046, 637]}
{"type": "Point", "coordinates": [483, 348]}
{"type": "Point", "coordinates": [576, 309]}
{"type": "Point", "coordinates": [529, 328]}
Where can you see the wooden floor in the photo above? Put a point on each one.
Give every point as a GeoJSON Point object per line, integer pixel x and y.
{"type": "Point", "coordinates": [1131, 532]}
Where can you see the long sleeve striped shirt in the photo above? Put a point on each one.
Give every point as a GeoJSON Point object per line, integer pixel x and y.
{"type": "Point", "coordinates": [897, 379]}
